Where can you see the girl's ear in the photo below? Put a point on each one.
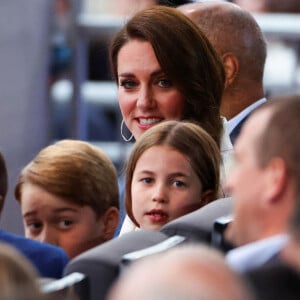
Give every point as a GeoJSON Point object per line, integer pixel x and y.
{"type": "Point", "coordinates": [207, 197]}
{"type": "Point", "coordinates": [110, 222]}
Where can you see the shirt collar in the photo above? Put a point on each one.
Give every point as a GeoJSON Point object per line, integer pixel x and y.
{"type": "Point", "coordinates": [255, 254]}
{"type": "Point", "coordinates": [233, 122]}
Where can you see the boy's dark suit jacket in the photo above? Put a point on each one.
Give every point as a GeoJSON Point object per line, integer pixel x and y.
{"type": "Point", "coordinates": [47, 259]}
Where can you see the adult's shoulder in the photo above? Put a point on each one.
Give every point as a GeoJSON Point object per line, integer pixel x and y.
{"type": "Point", "coordinates": [275, 281]}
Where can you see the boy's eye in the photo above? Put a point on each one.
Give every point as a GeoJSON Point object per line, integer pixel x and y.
{"type": "Point", "coordinates": [128, 84]}
{"type": "Point", "coordinates": [64, 224]}
{"type": "Point", "coordinates": [34, 226]}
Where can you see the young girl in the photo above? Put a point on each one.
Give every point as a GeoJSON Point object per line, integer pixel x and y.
{"type": "Point", "coordinates": [173, 169]}
{"type": "Point", "coordinates": [69, 196]}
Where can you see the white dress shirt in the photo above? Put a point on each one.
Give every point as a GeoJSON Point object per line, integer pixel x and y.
{"type": "Point", "coordinates": [254, 255]}
{"type": "Point", "coordinates": [232, 123]}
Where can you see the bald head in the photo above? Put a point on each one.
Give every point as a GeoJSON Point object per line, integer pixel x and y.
{"type": "Point", "coordinates": [231, 29]}
{"type": "Point", "coordinates": [186, 272]}
{"type": "Point", "coordinates": [275, 6]}
{"type": "Point", "coordinates": [237, 38]}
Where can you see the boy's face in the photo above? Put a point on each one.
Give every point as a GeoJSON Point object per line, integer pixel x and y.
{"type": "Point", "coordinates": [51, 219]}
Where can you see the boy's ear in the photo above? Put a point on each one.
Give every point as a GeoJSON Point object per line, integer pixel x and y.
{"type": "Point", "coordinates": [110, 222]}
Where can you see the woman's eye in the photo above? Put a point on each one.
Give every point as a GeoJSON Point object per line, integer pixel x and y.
{"type": "Point", "coordinates": [65, 224]}
{"type": "Point", "coordinates": [128, 84]}
{"type": "Point", "coordinates": [165, 83]}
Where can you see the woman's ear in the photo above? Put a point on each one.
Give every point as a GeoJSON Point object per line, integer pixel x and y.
{"type": "Point", "coordinates": [231, 67]}
{"type": "Point", "coordinates": [110, 222]}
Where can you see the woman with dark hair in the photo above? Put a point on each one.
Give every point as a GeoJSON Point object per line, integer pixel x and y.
{"type": "Point", "coordinates": [166, 69]}
{"type": "Point", "coordinates": [178, 63]}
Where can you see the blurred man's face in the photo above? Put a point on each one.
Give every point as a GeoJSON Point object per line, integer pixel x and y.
{"type": "Point", "coordinates": [246, 183]}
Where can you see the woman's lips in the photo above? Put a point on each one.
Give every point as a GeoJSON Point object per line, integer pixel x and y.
{"type": "Point", "coordinates": [149, 121]}
{"type": "Point", "coordinates": [146, 123]}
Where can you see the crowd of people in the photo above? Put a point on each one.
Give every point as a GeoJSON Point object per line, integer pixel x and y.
{"type": "Point", "coordinates": [191, 94]}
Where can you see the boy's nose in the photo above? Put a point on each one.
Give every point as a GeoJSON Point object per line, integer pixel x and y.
{"type": "Point", "coordinates": [48, 236]}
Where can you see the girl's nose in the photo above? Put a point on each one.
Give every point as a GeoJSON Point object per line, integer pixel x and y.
{"type": "Point", "coordinates": [160, 194]}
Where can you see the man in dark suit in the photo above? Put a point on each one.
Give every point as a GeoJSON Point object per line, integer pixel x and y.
{"type": "Point", "coordinates": [279, 277]}
{"type": "Point", "coordinates": [265, 187]}
{"type": "Point", "coordinates": [275, 282]}
{"type": "Point", "coordinates": [47, 259]}
{"type": "Point", "coordinates": [238, 40]}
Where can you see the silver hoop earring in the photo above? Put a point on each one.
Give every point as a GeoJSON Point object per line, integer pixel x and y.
{"type": "Point", "coordinates": [123, 136]}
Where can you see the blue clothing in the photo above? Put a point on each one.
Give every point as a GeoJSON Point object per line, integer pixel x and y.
{"type": "Point", "coordinates": [235, 124]}
{"type": "Point", "coordinates": [49, 260]}
{"type": "Point", "coordinates": [122, 212]}
{"type": "Point", "coordinates": [237, 130]}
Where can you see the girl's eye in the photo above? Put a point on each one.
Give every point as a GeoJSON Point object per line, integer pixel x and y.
{"type": "Point", "coordinates": [147, 180]}
{"type": "Point", "coordinates": [179, 183]}
{"type": "Point", "coordinates": [128, 84]}
{"type": "Point", "coordinates": [64, 224]}
{"type": "Point", "coordinates": [164, 83]}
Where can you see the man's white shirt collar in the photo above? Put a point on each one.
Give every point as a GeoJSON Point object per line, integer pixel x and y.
{"type": "Point", "coordinates": [232, 123]}
{"type": "Point", "coordinates": [255, 254]}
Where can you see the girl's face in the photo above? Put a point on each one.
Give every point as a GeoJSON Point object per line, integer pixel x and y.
{"type": "Point", "coordinates": [48, 218]}
{"type": "Point", "coordinates": [164, 187]}
{"type": "Point", "coordinates": [146, 95]}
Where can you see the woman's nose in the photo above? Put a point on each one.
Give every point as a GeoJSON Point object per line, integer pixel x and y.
{"type": "Point", "coordinates": [145, 98]}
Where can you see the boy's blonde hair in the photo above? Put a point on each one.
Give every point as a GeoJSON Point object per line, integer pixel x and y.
{"type": "Point", "coordinates": [76, 171]}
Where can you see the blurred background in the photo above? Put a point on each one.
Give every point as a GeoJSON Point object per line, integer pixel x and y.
{"type": "Point", "coordinates": [56, 81]}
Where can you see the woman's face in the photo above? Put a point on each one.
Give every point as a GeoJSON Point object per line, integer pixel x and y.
{"type": "Point", "coordinates": [146, 94]}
